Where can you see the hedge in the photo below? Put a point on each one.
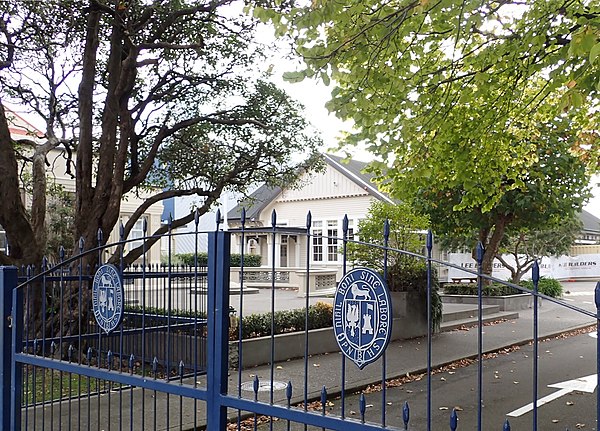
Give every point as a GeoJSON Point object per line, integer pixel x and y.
{"type": "Point", "coordinates": [320, 316]}
{"type": "Point", "coordinates": [547, 286]}
{"type": "Point", "coordinates": [250, 260]}
{"type": "Point", "coordinates": [495, 289]}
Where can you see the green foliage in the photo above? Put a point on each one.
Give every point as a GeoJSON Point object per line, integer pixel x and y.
{"type": "Point", "coordinates": [61, 211]}
{"type": "Point", "coordinates": [482, 114]}
{"type": "Point", "coordinates": [547, 286]}
{"type": "Point", "coordinates": [250, 260]}
{"type": "Point", "coordinates": [320, 315]}
{"type": "Point", "coordinates": [163, 99]}
{"type": "Point", "coordinates": [495, 289]}
{"type": "Point", "coordinates": [404, 273]}
{"type": "Point", "coordinates": [406, 229]}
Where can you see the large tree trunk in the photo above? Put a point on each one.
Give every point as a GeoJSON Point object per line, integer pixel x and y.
{"type": "Point", "coordinates": [491, 244]}
{"type": "Point", "coordinates": [23, 243]}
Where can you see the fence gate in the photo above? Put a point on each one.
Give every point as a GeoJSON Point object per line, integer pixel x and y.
{"type": "Point", "coordinates": [93, 345]}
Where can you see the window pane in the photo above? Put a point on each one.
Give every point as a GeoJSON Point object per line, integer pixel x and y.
{"type": "Point", "coordinates": [317, 245]}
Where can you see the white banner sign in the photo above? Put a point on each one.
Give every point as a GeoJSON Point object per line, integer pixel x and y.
{"type": "Point", "coordinates": [562, 268]}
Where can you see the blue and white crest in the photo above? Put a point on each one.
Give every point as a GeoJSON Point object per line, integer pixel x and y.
{"type": "Point", "coordinates": [107, 297]}
{"type": "Point", "coordinates": [362, 316]}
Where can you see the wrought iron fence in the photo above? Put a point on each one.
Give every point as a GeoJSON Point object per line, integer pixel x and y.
{"type": "Point", "coordinates": [168, 366]}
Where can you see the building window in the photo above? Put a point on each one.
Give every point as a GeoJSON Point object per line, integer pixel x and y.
{"type": "Point", "coordinates": [350, 235]}
{"type": "Point", "coordinates": [137, 231]}
{"type": "Point", "coordinates": [318, 241]}
{"type": "Point", "coordinates": [332, 241]}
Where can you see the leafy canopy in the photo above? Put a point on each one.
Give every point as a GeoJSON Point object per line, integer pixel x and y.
{"type": "Point", "coordinates": [160, 98]}
{"type": "Point", "coordinates": [450, 91]}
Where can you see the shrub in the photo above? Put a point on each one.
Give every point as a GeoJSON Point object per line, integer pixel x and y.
{"type": "Point", "coordinates": [411, 275]}
{"type": "Point", "coordinates": [320, 315]}
{"type": "Point", "coordinates": [250, 260]}
{"type": "Point", "coordinates": [547, 286]}
{"type": "Point", "coordinates": [495, 289]}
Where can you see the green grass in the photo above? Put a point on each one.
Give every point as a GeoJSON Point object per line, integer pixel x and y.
{"type": "Point", "coordinates": [43, 385]}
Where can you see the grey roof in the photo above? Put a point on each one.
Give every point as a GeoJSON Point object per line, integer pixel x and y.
{"type": "Point", "coordinates": [255, 203]}
{"type": "Point", "coordinates": [591, 223]}
{"type": "Point", "coordinates": [352, 169]}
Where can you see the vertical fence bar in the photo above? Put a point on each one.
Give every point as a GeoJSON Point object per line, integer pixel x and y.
{"type": "Point", "coordinates": [597, 301]}
{"type": "Point", "coordinates": [10, 392]}
{"type": "Point", "coordinates": [307, 299]}
{"type": "Point", "coordinates": [429, 245]}
{"type": "Point", "coordinates": [535, 277]}
{"type": "Point", "coordinates": [273, 264]}
{"type": "Point", "coordinates": [241, 311]}
{"type": "Point", "coordinates": [218, 328]}
{"type": "Point", "coordinates": [386, 238]}
{"type": "Point", "coordinates": [480, 253]}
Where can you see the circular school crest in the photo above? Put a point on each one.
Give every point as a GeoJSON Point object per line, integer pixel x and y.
{"type": "Point", "coordinates": [107, 297]}
{"type": "Point", "coordinates": [362, 316]}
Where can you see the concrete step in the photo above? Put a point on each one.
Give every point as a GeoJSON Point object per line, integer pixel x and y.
{"type": "Point", "coordinates": [472, 321]}
{"type": "Point", "coordinates": [452, 312]}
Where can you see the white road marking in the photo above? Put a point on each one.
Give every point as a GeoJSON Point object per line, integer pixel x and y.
{"type": "Point", "coordinates": [582, 384]}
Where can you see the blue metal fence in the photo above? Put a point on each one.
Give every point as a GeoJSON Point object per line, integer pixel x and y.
{"type": "Point", "coordinates": [168, 365]}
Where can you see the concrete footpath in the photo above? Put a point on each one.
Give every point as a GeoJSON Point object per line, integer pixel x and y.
{"type": "Point", "coordinates": [160, 411]}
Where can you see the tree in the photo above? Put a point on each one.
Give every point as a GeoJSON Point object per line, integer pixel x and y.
{"type": "Point", "coordinates": [550, 193]}
{"type": "Point", "coordinates": [525, 247]}
{"type": "Point", "coordinates": [154, 96]}
{"type": "Point", "coordinates": [164, 97]}
{"type": "Point", "coordinates": [406, 233]}
{"type": "Point", "coordinates": [454, 97]}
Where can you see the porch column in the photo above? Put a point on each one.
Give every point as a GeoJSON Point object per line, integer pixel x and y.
{"type": "Point", "coordinates": [276, 251]}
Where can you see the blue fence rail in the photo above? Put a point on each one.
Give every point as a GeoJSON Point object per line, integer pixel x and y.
{"type": "Point", "coordinates": [168, 366]}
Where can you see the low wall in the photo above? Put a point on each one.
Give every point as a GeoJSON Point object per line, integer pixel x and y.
{"type": "Point", "coordinates": [320, 280]}
{"type": "Point", "coordinates": [505, 303]}
{"type": "Point", "coordinates": [257, 351]}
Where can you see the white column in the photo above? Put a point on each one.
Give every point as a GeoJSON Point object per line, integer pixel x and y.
{"type": "Point", "coordinates": [297, 252]}
{"type": "Point", "coordinates": [277, 250]}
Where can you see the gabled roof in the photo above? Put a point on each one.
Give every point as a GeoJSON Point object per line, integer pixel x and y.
{"type": "Point", "coordinates": [255, 203]}
{"type": "Point", "coordinates": [19, 126]}
{"type": "Point", "coordinates": [352, 169]}
{"type": "Point", "coordinates": [590, 222]}
{"type": "Point", "coordinates": [355, 171]}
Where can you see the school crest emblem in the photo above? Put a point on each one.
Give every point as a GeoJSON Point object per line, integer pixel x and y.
{"type": "Point", "coordinates": [362, 316]}
{"type": "Point", "coordinates": [107, 298]}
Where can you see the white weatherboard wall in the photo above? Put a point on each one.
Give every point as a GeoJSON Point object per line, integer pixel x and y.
{"type": "Point", "coordinates": [563, 267]}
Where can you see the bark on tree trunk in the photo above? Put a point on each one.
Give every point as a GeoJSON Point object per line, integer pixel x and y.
{"type": "Point", "coordinates": [491, 245]}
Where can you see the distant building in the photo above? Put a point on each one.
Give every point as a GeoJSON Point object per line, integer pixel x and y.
{"type": "Point", "coordinates": [343, 188]}
{"type": "Point", "coordinates": [590, 231]}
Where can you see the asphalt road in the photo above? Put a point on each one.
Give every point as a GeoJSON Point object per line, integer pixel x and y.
{"type": "Point", "coordinates": [507, 386]}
